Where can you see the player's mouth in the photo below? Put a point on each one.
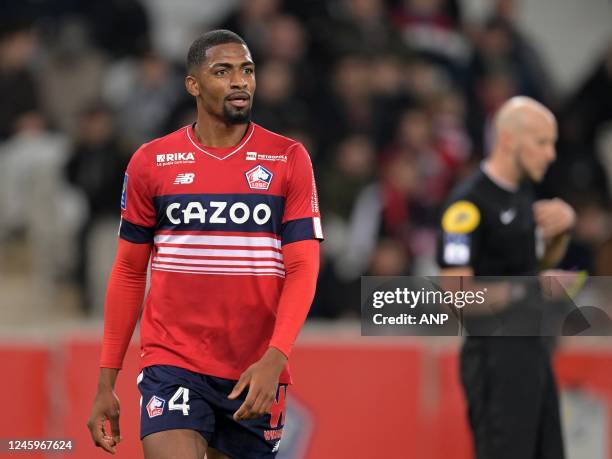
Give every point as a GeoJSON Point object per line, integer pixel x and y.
{"type": "Point", "coordinates": [239, 99]}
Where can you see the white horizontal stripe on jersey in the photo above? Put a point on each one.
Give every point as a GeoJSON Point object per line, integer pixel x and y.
{"type": "Point", "coordinates": [220, 252]}
{"type": "Point", "coordinates": [246, 241]}
{"type": "Point", "coordinates": [204, 262]}
{"type": "Point", "coordinates": [218, 269]}
{"type": "Point", "coordinates": [229, 270]}
{"type": "Point", "coordinates": [221, 273]}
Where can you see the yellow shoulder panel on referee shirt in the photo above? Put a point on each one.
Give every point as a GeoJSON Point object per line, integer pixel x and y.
{"type": "Point", "coordinates": [460, 218]}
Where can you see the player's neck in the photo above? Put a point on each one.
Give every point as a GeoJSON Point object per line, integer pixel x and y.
{"type": "Point", "coordinates": [217, 134]}
{"type": "Point", "coordinates": [502, 174]}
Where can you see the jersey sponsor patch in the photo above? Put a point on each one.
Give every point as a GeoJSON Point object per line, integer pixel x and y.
{"type": "Point", "coordinates": [259, 178]}
{"type": "Point", "coordinates": [254, 156]}
{"type": "Point", "coordinates": [462, 217]}
{"type": "Point", "coordinates": [169, 159]}
{"type": "Point", "coordinates": [155, 407]}
{"type": "Point", "coordinates": [456, 249]}
{"type": "Point", "coordinates": [249, 212]}
{"type": "Point", "coordinates": [124, 192]}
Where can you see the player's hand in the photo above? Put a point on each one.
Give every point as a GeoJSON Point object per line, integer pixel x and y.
{"type": "Point", "coordinates": [105, 407]}
{"type": "Point", "coordinates": [553, 216]}
{"type": "Point", "coordinates": [262, 380]}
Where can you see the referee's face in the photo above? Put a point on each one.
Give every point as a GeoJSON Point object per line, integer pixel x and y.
{"type": "Point", "coordinates": [225, 83]}
{"type": "Point", "coordinates": [535, 147]}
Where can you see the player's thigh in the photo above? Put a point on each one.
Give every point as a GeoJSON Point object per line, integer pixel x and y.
{"type": "Point", "coordinates": [212, 453]}
{"type": "Point", "coordinates": [174, 444]}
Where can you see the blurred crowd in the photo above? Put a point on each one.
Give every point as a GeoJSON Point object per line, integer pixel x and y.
{"type": "Point", "coordinates": [392, 98]}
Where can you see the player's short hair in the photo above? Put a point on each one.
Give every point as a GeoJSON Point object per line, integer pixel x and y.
{"type": "Point", "coordinates": [198, 49]}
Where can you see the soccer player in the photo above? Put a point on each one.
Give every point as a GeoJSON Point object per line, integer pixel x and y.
{"type": "Point", "coordinates": [491, 226]}
{"type": "Point", "coordinates": [227, 213]}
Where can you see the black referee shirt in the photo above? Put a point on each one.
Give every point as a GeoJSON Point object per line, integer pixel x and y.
{"type": "Point", "coordinates": [490, 229]}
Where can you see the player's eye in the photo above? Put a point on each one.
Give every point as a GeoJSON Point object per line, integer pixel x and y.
{"type": "Point", "coordinates": [249, 71]}
{"type": "Point", "coordinates": [220, 72]}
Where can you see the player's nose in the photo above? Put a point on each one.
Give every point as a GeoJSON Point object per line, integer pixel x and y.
{"type": "Point", "coordinates": [238, 81]}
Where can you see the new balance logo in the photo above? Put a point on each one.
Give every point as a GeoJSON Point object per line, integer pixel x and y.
{"type": "Point", "coordinates": [184, 179]}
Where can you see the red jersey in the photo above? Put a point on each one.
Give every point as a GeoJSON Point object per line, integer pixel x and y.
{"type": "Point", "coordinates": [217, 218]}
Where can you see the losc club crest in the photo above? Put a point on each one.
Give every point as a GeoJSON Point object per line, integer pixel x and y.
{"type": "Point", "coordinates": [155, 407]}
{"type": "Point", "coordinates": [259, 178]}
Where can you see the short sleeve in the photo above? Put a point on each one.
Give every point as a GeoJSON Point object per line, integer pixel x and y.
{"type": "Point", "coordinates": [459, 234]}
{"type": "Point", "coordinates": [138, 216]}
{"type": "Point", "coordinates": [301, 218]}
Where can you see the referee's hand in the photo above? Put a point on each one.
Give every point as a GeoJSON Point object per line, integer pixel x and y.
{"type": "Point", "coordinates": [262, 381]}
{"type": "Point", "coordinates": [553, 217]}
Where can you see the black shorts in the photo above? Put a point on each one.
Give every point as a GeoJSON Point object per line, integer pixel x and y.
{"type": "Point", "coordinates": [512, 398]}
{"type": "Point", "coordinates": [175, 398]}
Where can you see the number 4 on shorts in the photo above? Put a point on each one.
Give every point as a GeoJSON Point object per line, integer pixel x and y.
{"type": "Point", "coordinates": [184, 407]}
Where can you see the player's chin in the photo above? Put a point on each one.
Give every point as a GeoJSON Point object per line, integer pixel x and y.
{"type": "Point", "coordinates": [237, 115]}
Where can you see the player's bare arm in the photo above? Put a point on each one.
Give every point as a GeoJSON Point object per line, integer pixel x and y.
{"type": "Point", "coordinates": [105, 408]}
{"type": "Point", "coordinates": [123, 301]}
{"type": "Point", "coordinates": [261, 378]}
{"type": "Point", "coordinates": [302, 265]}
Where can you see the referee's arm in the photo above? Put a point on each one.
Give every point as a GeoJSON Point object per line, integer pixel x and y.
{"type": "Point", "coordinates": [555, 219]}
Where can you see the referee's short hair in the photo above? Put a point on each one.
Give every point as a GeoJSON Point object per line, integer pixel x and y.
{"type": "Point", "coordinates": [198, 49]}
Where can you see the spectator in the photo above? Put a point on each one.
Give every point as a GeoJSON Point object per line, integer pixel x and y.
{"type": "Point", "coordinates": [278, 106]}
{"type": "Point", "coordinates": [383, 209]}
{"type": "Point", "coordinates": [352, 168]}
{"type": "Point", "coordinates": [347, 106]}
{"type": "Point", "coordinates": [250, 21]}
{"type": "Point", "coordinates": [71, 76]}
{"type": "Point", "coordinates": [430, 28]}
{"type": "Point", "coordinates": [120, 27]}
{"type": "Point", "coordinates": [96, 168]}
{"type": "Point", "coordinates": [18, 90]}
{"type": "Point", "coordinates": [500, 48]}
{"type": "Point", "coordinates": [35, 202]}
{"type": "Point", "coordinates": [143, 91]}
{"type": "Point", "coordinates": [361, 26]}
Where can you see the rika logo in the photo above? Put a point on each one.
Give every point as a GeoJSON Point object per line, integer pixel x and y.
{"type": "Point", "coordinates": [184, 179]}
{"type": "Point", "coordinates": [259, 178]}
{"type": "Point", "coordinates": [168, 159]}
{"type": "Point", "coordinates": [155, 407]}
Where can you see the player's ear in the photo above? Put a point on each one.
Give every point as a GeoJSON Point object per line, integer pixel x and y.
{"type": "Point", "coordinates": [191, 84]}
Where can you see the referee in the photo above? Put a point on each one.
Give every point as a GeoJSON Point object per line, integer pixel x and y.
{"type": "Point", "coordinates": [492, 226]}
